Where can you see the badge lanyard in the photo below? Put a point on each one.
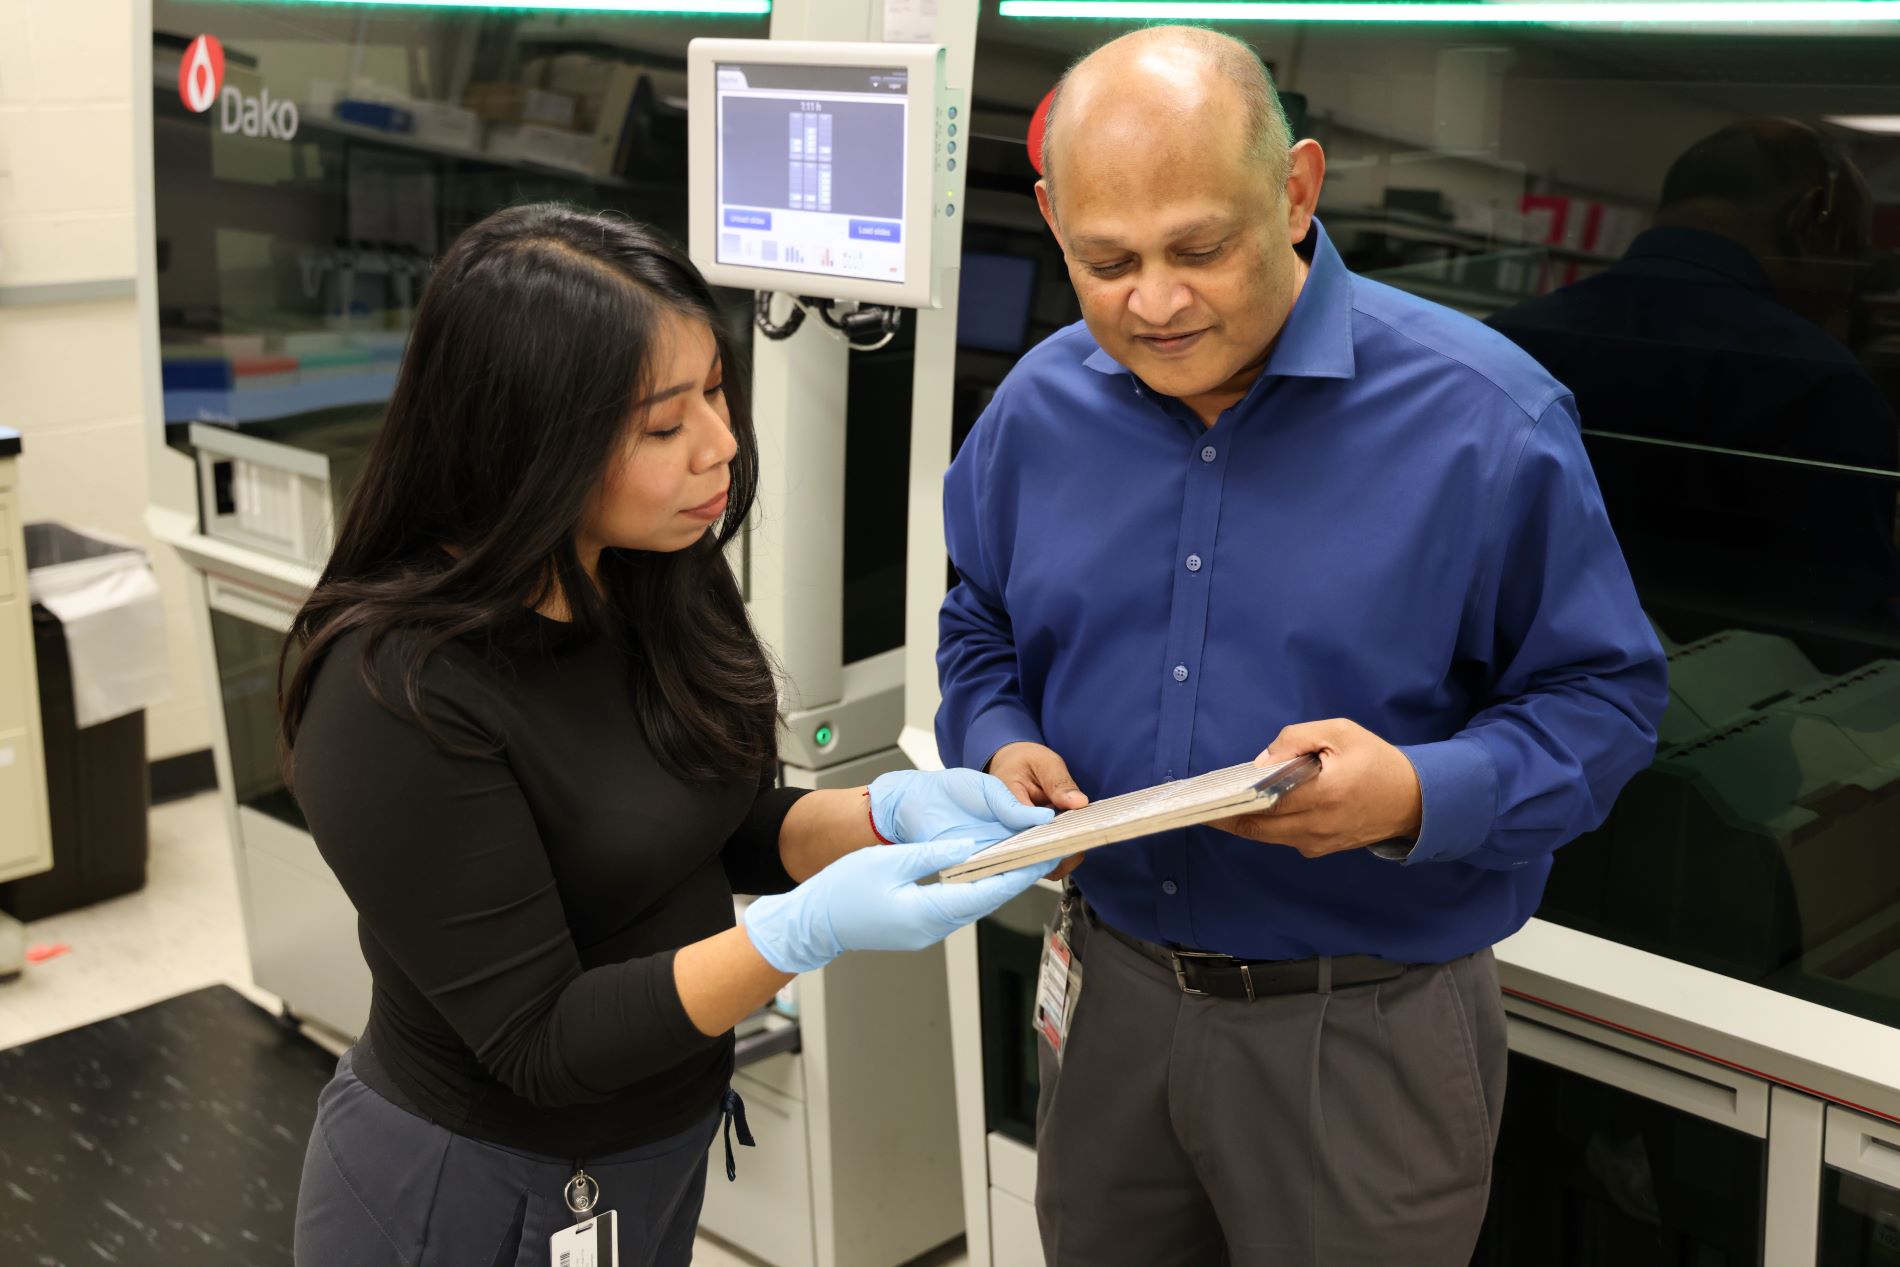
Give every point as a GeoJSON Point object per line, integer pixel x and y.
{"type": "Point", "coordinates": [1059, 983]}
{"type": "Point", "coordinates": [582, 1193]}
{"type": "Point", "coordinates": [594, 1239]}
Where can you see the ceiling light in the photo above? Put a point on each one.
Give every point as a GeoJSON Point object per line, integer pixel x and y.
{"type": "Point", "coordinates": [1461, 12]}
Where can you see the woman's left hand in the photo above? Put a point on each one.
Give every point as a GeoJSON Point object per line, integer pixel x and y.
{"type": "Point", "coordinates": [915, 806]}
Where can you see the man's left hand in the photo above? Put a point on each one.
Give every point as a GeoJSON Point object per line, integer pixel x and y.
{"type": "Point", "coordinates": [1366, 792]}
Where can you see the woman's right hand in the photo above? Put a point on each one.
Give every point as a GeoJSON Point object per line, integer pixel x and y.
{"type": "Point", "coordinates": [870, 900]}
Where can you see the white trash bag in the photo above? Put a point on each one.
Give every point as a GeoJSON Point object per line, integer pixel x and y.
{"type": "Point", "coordinates": [105, 596]}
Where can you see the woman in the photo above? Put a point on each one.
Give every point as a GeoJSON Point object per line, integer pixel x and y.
{"type": "Point", "coordinates": [533, 734]}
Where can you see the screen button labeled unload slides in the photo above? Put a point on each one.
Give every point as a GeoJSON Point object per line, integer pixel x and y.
{"type": "Point", "coordinates": [748, 219]}
{"type": "Point", "coordinates": [877, 230]}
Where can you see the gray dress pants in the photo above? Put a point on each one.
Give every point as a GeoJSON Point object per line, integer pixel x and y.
{"type": "Point", "coordinates": [385, 1188]}
{"type": "Point", "coordinates": [1352, 1128]}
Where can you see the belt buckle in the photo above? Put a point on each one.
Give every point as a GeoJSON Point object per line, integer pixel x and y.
{"type": "Point", "coordinates": [1180, 969]}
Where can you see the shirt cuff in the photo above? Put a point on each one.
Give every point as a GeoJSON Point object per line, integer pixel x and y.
{"type": "Point", "coordinates": [1458, 793]}
{"type": "Point", "coordinates": [1002, 724]}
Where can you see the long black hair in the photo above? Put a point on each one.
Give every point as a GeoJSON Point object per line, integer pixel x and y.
{"type": "Point", "coordinates": [532, 343]}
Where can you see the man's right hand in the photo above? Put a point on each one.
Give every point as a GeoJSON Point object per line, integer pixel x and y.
{"type": "Point", "coordinates": [1036, 775]}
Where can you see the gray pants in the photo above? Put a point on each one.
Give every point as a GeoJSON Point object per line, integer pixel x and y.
{"type": "Point", "coordinates": [1352, 1128]}
{"type": "Point", "coordinates": [384, 1188]}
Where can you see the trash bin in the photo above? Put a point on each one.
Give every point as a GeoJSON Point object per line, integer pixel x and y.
{"type": "Point", "coordinates": [99, 639]}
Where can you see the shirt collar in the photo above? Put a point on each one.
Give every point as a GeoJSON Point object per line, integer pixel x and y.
{"type": "Point", "coordinates": [1698, 248]}
{"type": "Point", "coordinates": [1316, 341]}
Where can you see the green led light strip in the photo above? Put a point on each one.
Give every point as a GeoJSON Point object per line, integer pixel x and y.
{"type": "Point", "coordinates": [728, 8]}
{"type": "Point", "coordinates": [1590, 12]}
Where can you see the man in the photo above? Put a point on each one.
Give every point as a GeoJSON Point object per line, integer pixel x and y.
{"type": "Point", "coordinates": [1249, 490]}
{"type": "Point", "coordinates": [1722, 332]}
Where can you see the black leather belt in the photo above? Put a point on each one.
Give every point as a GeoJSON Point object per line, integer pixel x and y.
{"type": "Point", "coordinates": [1224, 977]}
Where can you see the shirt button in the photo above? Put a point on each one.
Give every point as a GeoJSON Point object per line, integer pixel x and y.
{"type": "Point", "coordinates": [1180, 672]}
{"type": "Point", "coordinates": [1194, 562]}
{"type": "Point", "coordinates": [1170, 887]}
{"type": "Point", "coordinates": [1207, 454]}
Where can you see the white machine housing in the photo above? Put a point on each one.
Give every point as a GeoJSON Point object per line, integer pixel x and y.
{"type": "Point", "coordinates": [26, 836]}
{"type": "Point", "coordinates": [929, 197]}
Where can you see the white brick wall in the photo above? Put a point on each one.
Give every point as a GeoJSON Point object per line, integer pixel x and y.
{"type": "Point", "coordinates": [69, 372]}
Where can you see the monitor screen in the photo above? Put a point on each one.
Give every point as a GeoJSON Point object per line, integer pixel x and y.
{"type": "Point", "coordinates": [994, 298]}
{"type": "Point", "coordinates": [810, 168]}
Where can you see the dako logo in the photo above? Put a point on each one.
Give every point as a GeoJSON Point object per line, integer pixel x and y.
{"type": "Point", "coordinates": [201, 73]}
{"type": "Point", "coordinates": [201, 83]}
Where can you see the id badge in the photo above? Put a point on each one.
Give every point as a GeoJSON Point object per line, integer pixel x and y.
{"type": "Point", "coordinates": [1058, 986]}
{"type": "Point", "coordinates": [595, 1243]}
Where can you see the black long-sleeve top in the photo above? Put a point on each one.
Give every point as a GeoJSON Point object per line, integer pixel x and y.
{"type": "Point", "coordinates": [522, 880]}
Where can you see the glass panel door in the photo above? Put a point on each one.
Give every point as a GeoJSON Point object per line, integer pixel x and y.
{"type": "Point", "coordinates": [1591, 1175]}
{"type": "Point", "coordinates": [1860, 1191]}
{"type": "Point", "coordinates": [246, 654]}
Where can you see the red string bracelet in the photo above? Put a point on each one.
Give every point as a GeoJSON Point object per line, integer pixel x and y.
{"type": "Point", "coordinates": [871, 815]}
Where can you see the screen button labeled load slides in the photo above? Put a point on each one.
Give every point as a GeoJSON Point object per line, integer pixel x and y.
{"type": "Point", "coordinates": [877, 230]}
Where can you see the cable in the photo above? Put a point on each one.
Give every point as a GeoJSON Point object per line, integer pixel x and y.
{"type": "Point", "coordinates": [870, 321]}
{"type": "Point", "coordinates": [824, 313]}
{"type": "Point", "coordinates": [762, 317]}
{"type": "Point", "coordinates": [872, 347]}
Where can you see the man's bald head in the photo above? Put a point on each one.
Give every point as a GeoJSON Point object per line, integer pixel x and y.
{"type": "Point", "coordinates": [1183, 206]}
{"type": "Point", "coordinates": [1175, 68]}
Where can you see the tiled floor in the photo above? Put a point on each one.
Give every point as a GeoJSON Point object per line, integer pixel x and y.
{"type": "Point", "coordinates": [183, 931]}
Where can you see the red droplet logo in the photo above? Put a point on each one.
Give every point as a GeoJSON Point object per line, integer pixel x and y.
{"type": "Point", "coordinates": [201, 74]}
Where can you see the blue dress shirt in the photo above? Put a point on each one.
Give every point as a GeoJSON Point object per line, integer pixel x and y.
{"type": "Point", "coordinates": [1397, 525]}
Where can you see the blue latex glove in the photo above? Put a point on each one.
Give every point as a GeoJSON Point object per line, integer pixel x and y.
{"type": "Point", "coordinates": [913, 806]}
{"type": "Point", "coordinates": [870, 900]}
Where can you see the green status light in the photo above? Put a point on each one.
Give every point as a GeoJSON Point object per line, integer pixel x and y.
{"type": "Point", "coordinates": [823, 736]}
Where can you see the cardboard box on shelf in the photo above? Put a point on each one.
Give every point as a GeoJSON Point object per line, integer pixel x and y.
{"type": "Point", "coordinates": [512, 103]}
{"type": "Point", "coordinates": [549, 147]}
{"type": "Point", "coordinates": [585, 78]}
{"type": "Point", "coordinates": [440, 123]}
